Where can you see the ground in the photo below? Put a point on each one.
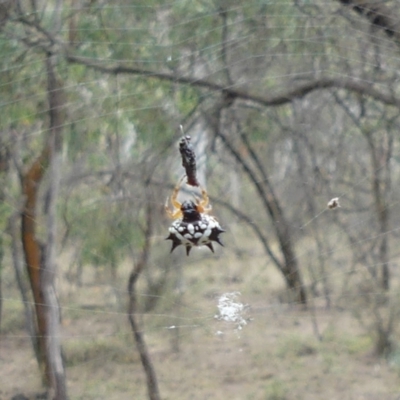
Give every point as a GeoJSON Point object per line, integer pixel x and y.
{"type": "Point", "coordinates": [284, 352]}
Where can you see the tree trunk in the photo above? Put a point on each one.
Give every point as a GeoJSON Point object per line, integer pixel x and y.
{"type": "Point", "coordinates": [40, 259]}
{"type": "Point", "coordinates": [53, 351]}
{"type": "Point", "coordinates": [32, 252]}
{"type": "Point", "coordinates": [310, 196]}
{"type": "Point", "coordinates": [13, 230]}
{"type": "Point", "coordinates": [380, 165]}
{"type": "Point", "coordinates": [1, 281]}
{"type": "Point", "coordinates": [289, 267]}
{"type": "Point", "coordinates": [151, 377]}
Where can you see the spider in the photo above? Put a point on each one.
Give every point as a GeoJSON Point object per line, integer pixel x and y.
{"type": "Point", "coordinates": [192, 226]}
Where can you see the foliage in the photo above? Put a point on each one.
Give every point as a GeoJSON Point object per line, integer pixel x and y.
{"type": "Point", "coordinates": [289, 104]}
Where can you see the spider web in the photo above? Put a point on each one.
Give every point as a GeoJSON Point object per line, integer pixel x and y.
{"type": "Point", "coordinates": [223, 324]}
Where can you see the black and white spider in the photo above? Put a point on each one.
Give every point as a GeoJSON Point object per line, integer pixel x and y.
{"type": "Point", "coordinates": [192, 226]}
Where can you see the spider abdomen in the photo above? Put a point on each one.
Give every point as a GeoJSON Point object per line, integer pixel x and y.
{"type": "Point", "coordinates": [201, 232]}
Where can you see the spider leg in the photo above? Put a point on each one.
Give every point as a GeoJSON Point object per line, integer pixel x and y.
{"type": "Point", "coordinates": [176, 212]}
{"type": "Point", "coordinates": [204, 204]}
{"type": "Point", "coordinates": [174, 197]}
{"type": "Point", "coordinates": [173, 214]}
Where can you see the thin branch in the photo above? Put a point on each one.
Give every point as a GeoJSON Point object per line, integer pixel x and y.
{"type": "Point", "coordinates": [379, 15]}
{"type": "Point", "coordinates": [223, 13]}
{"type": "Point", "coordinates": [151, 377]}
{"type": "Point", "coordinates": [353, 85]}
{"type": "Point", "coordinates": [253, 225]}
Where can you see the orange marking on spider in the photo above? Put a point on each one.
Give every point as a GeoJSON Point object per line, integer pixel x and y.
{"type": "Point", "coordinates": [192, 226]}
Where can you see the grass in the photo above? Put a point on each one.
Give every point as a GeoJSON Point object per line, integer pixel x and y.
{"type": "Point", "coordinates": [276, 390]}
{"type": "Point", "coordinates": [12, 321]}
{"type": "Point", "coordinates": [293, 345]}
{"type": "Point", "coordinates": [114, 348]}
{"type": "Point", "coordinates": [276, 356]}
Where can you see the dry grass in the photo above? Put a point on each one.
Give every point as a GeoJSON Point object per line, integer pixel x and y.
{"type": "Point", "coordinates": [276, 356]}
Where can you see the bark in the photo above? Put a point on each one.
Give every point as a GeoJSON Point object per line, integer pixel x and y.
{"type": "Point", "coordinates": [322, 250]}
{"type": "Point", "coordinates": [380, 160]}
{"type": "Point", "coordinates": [32, 252]}
{"type": "Point", "coordinates": [53, 350]}
{"type": "Point", "coordinates": [151, 378]}
{"type": "Point", "coordinates": [1, 280]}
{"type": "Point", "coordinates": [289, 267]}
{"type": "Point", "coordinates": [5, 158]}
{"type": "Point", "coordinates": [39, 258]}
{"type": "Point", "coordinates": [5, 8]}
{"type": "Point", "coordinates": [13, 230]}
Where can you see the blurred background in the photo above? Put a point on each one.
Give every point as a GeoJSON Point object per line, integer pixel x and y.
{"type": "Point", "coordinates": [289, 105]}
